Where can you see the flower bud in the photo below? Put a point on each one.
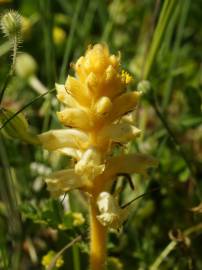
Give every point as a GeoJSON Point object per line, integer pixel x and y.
{"type": "Point", "coordinates": [17, 127]}
{"type": "Point", "coordinates": [59, 35]}
{"type": "Point", "coordinates": [11, 24]}
{"type": "Point", "coordinates": [25, 65]}
{"type": "Point", "coordinates": [144, 86]}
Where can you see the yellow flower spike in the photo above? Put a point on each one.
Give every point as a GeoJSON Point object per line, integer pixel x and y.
{"type": "Point", "coordinates": [98, 112]}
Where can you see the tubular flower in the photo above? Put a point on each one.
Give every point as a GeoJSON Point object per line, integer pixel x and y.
{"type": "Point", "coordinates": [98, 114]}
{"type": "Point", "coordinates": [111, 214]}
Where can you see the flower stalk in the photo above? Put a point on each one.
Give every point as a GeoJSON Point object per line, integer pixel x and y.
{"type": "Point", "coordinates": [98, 236]}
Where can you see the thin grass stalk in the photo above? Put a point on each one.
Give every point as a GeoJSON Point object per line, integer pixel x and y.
{"type": "Point", "coordinates": [24, 107]}
{"type": "Point", "coordinates": [76, 257]}
{"type": "Point", "coordinates": [166, 43]}
{"type": "Point", "coordinates": [165, 15]}
{"type": "Point", "coordinates": [70, 41]}
{"type": "Point", "coordinates": [170, 247]}
{"type": "Point", "coordinates": [87, 24]}
{"type": "Point", "coordinates": [75, 249]}
{"type": "Point", "coordinates": [49, 56]}
{"type": "Point", "coordinates": [12, 68]}
{"type": "Point", "coordinates": [184, 8]}
{"type": "Point", "coordinates": [9, 195]}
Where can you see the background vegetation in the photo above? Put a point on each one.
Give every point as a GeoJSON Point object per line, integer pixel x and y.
{"type": "Point", "coordinates": [159, 41]}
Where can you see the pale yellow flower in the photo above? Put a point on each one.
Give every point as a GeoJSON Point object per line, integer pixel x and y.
{"type": "Point", "coordinates": [110, 213]}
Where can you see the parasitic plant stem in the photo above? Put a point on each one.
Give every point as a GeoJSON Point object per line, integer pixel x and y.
{"type": "Point", "coordinates": [98, 240]}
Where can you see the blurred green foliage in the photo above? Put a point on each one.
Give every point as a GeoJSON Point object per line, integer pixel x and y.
{"type": "Point", "coordinates": [159, 41]}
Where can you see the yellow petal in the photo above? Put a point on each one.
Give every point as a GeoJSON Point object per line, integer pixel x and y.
{"type": "Point", "coordinates": [103, 107]}
{"type": "Point", "coordinates": [92, 82]}
{"type": "Point", "coordinates": [90, 165]}
{"type": "Point", "coordinates": [64, 96]}
{"type": "Point", "coordinates": [78, 91]}
{"type": "Point", "coordinates": [123, 104]}
{"type": "Point", "coordinates": [79, 68]}
{"type": "Point", "coordinates": [131, 163]}
{"type": "Point", "coordinates": [122, 132]}
{"type": "Point", "coordinates": [59, 138]}
{"type": "Point", "coordinates": [75, 117]}
{"type": "Point", "coordinates": [62, 181]}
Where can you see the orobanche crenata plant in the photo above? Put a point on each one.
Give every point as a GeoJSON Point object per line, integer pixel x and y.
{"type": "Point", "coordinates": [98, 115]}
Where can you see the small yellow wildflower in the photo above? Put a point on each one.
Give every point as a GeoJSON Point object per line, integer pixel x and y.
{"type": "Point", "coordinates": [78, 219]}
{"type": "Point", "coordinates": [47, 259]}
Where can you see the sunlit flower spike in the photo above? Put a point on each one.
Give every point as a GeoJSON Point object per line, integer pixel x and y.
{"type": "Point", "coordinates": [98, 114]}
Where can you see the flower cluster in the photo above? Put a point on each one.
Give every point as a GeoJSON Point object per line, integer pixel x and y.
{"type": "Point", "coordinates": [97, 114]}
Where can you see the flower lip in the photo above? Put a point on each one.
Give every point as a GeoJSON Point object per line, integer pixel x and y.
{"type": "Point", "coordinates": [110, 213]}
